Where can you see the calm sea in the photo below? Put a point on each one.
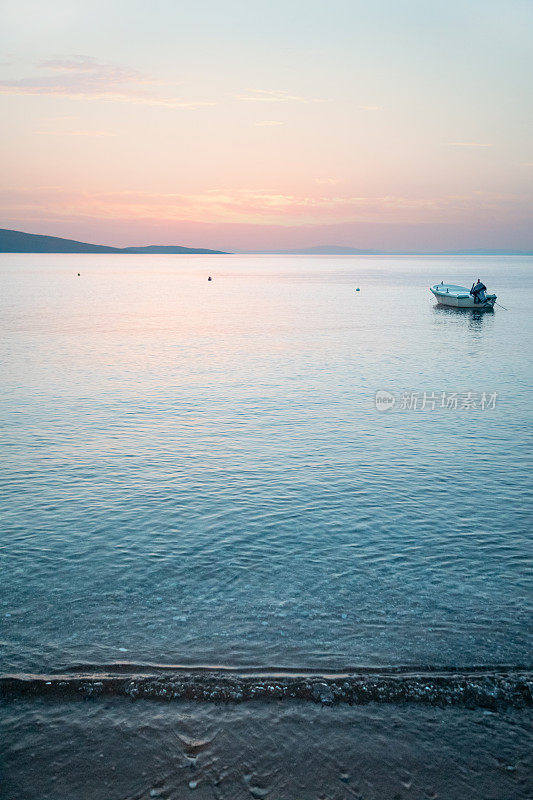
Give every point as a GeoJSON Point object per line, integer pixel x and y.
{"type": "Point", "coordinates": [195, 476]}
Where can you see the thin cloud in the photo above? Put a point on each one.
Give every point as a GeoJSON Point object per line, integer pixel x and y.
{"type": "Point", "coordinates": [82, 77]}
{"type": "Point", "coordinates": [468, 144]}
{"type": "Point", "coordinates": [268, 123]}
{"type": "Point", "coordinates": [75, 133]}
{"type": "Point", "coordinates": [370, 108]}
{"type": "Point", "coordinates": [80, 64]}
{"type": "Point", "coordinates": [250, 206]}
{"type": "Point", "coordinates": [269, 96]}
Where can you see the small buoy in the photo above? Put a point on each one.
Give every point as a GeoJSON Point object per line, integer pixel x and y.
{"type": "Point", "coordinates": [210, 278]}
{"type": "Point", "coordinates": [358, 289]}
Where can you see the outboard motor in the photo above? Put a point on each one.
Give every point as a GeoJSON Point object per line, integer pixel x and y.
{"type": "Point", "coordinates": [478, 292]}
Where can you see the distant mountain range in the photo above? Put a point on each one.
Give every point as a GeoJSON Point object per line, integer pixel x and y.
{"type": "Point", "coordinates": [334, 250]}
{"type": "Point", "coordinates": [18, 242]}
{"type": "Point", "coordinates": [324, 250]}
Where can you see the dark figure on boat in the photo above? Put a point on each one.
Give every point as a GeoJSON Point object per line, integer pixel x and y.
{"type": "Point", "coordinates": [478, 291]}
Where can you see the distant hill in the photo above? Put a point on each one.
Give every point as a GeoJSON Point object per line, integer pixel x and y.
{"type": "Point", "coordinates": [339, 250]}
{"type": "Point", "coordinates": [325, 250]}
{"type": "Point", "coordinates": [19, 242]}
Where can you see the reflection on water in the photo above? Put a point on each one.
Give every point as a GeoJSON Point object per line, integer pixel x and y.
{"type": "Point", "coordinates": [477, 319]}
{"type": "Point", "coordinates": [466, 313]}
{"type": "Point", "coordinates": [468, 318]}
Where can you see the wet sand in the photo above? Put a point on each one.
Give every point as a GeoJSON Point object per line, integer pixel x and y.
{"type": "Point", "coordinates": [113, 749]}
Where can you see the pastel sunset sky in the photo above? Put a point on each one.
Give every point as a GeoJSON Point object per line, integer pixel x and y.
{"type": "Point", "coordinates": [263, 124]}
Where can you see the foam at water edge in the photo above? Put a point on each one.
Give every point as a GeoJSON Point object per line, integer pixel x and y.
{"type": "Point", "coordinates": [468, 688]}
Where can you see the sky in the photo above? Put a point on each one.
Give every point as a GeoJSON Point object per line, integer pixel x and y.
{"type": "Point", "coordinates": [267, 124]}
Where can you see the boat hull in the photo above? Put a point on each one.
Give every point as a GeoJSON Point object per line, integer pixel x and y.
{"type": "Point", "coordinates": [452, 296]}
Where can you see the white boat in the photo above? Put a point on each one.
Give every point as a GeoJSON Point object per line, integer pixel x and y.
{"type": "Point", "coordinates": [448, 294]}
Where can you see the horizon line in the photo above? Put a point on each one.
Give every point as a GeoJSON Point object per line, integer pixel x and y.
{"type": "Point", "coordinates": [317, 250]}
